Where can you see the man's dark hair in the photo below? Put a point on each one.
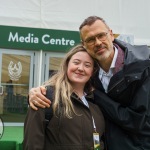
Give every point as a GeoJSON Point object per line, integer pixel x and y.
{"type": "Point", "coordinates": [90, 20]}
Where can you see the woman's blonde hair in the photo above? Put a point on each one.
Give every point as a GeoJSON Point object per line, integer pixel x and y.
{"type": "Point", "coordinates": [62, 86]}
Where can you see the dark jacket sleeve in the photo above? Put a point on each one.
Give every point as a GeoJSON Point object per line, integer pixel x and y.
{"type": "Point", "coordinates": [34, 130]}
{"type": "Point", "coordinates": [133, 117]}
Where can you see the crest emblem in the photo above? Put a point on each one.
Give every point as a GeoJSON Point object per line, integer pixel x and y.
{"type": "Point", "coordinates": [1, 128]}
{"type": "Point", "coordinates": [15, 71]}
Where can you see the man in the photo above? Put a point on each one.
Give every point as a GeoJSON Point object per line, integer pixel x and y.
{"type": "Point", "coordinates": [122, 86]}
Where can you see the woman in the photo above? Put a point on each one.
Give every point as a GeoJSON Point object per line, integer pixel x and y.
{"type": "Point", "coordinates": [76, 124]}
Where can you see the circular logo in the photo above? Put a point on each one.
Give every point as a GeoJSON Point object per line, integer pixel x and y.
{"type": "Point", "coordinates": [1, 128]}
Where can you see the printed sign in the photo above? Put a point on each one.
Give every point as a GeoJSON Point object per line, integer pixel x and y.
{"type": "Point", "coordinates": [37, 38]}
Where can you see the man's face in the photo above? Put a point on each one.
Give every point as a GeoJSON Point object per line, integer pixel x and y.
{"type": "Point", "coordinates": [97, 39]}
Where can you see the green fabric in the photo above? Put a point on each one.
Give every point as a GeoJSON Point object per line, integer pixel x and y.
{"type": "Point", "coordinates": [13, 134]}
{"type": "Point", "coordinates": [12, 138]}
{"type": "Point", "coordinates": [7, 145]}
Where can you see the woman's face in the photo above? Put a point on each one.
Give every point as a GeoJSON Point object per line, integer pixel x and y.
{"type": "Point", "coordinates": [80, 68]}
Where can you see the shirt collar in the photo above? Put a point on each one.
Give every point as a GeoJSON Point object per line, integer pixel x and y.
{"type": "Point", "coordinates": [114, 58]}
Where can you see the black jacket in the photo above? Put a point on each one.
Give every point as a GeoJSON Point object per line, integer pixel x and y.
{"type": "Point", "coordinates": [127, 109]}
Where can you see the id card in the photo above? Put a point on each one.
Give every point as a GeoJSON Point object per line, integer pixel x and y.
{"type": "Point", "coordinates": [96, 140]}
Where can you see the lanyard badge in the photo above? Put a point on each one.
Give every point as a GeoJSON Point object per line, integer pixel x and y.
{"type": "Point", "coordinates": [96, 140]}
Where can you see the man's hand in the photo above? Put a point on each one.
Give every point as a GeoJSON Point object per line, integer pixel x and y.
{"type": "Point", "coordinates": [37, 98]}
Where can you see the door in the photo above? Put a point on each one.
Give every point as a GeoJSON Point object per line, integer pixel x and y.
{"type": "Point", "coordinates": [52, 63]}
{"type": "Point", "coordinates": [16, 74]}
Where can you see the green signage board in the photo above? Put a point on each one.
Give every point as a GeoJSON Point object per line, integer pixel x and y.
{"type": "Point", "coordinates": [37, 38]}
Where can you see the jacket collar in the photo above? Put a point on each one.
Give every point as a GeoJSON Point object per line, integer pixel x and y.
{"type": "Point", "coordinates": [133, 53]}
{"type": "Point", "coordinates": [89, 96]}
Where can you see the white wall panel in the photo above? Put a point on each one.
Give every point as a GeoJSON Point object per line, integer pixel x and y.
{"type": "Point", "coordinates": [123, 16]}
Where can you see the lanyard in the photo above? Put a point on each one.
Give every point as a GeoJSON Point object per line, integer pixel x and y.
{"type": "Point", "coordinates": [96, 138]}
{"type": "Point", "coordinates": [86, 103]}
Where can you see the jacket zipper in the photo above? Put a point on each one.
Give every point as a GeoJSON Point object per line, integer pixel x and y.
{"type": "Point", "coordinates": [115, 85]}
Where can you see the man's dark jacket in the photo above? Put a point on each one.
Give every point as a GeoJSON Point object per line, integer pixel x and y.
{"type": "Point", "coordinates": [126, 106]}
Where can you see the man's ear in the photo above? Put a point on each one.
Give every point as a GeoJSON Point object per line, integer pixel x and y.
{"type": "Point", "coordinates": [83, 44]}
{"type": "Point", "coordinates": [84, 47]}
{"type": "Point", "coordinates": [112, 35]}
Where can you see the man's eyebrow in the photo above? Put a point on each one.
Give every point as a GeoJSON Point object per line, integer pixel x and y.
{"type": "Point", "coordinates": [90, 37]}
{"type": "Point", "coordinates": [95, 35]}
